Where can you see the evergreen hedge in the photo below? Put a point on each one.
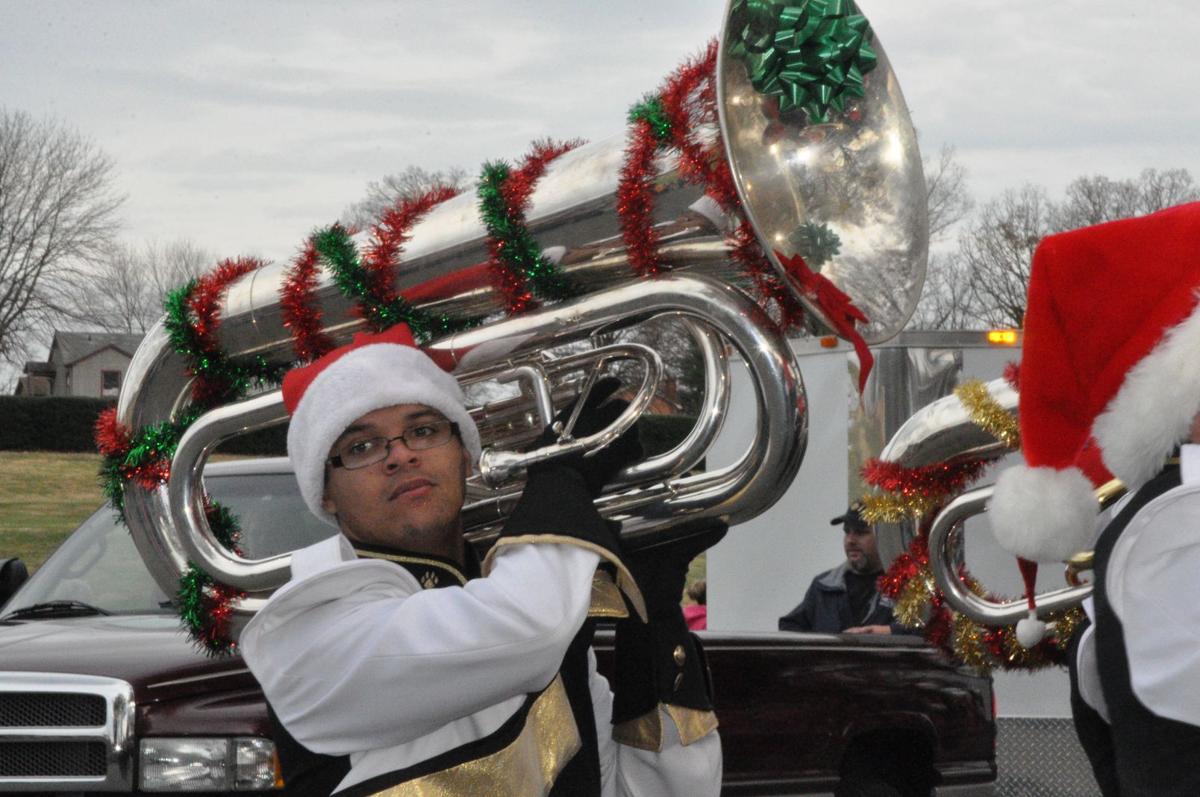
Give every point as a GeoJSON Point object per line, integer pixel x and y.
{"type": "Point", "coordinates": [49, 423]}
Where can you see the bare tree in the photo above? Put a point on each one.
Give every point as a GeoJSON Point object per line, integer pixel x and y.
{"type": "Point", "coordinates": [1096, 199]}
{"type": "Point", "coordinates": [382, 194]}
{"type": "Point", "coordinates": [124, 290]}
{"type": "Point", "coordinates": [998, 247]}
{"type": "Point", "coordinates": [57, 212]}
{"type": "Point", "coordinates": [946, 194]}
{"type": "Point", "coordinates": [947, 301]}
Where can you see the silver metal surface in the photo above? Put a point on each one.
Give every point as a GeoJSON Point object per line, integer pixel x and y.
{"type": "Point", "coordinates": [115, 733]}
{"type": "Point", "coordinates": [859, 174]}
{"type": "Point", "coordinates": [497, 466]}
{"type": "Point", "coordinates": [1041, 757]}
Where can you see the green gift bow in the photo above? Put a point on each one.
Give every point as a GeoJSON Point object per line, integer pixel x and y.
{"type": "Point", "coordinates": [812, 55]}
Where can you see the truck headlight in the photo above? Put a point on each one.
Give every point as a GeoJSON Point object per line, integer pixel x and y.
{"type": "Point", "coordinates": [202, 764]}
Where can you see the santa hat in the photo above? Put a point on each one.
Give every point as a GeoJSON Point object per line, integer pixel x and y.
{"type": "Point", "coordinates": [1110, 374]}
{"type": "Point", "coordinates": [371, 372]}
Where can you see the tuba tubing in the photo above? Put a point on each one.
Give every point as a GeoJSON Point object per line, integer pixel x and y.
{"type": "Point", "coordinates": [735, 492]}
{"type": "Point", "coordinates": [943, 550]}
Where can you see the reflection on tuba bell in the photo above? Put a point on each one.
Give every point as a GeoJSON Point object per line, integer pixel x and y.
{"type": "Point", "coordinates": [849, 174]}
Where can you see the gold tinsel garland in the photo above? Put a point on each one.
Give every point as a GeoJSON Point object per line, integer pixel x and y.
{"type": "Point", "coordinates": [987, 413]}
{"type": "Point", "coordinates": [913, 600]}
{"type": "Point", "coordinates": [896, 507]}
{"type": "Point", "coordinates": [977, 645]}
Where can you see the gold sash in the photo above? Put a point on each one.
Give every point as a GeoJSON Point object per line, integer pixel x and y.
{"type": "Point", "coordinates": [525, 768]}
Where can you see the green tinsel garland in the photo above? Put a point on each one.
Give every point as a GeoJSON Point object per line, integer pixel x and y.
{"type": "Point", "coordinates": [519, 251]}
{"type": "Point", "coordinates": [651, 111]}
{"type": "Point", "coordinates": [219, 379]}
{"type": "Point", "coordinates": [380, 310]}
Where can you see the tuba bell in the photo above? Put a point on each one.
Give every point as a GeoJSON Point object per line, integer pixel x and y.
{"type": "Point", "coordinates": [848, 172]}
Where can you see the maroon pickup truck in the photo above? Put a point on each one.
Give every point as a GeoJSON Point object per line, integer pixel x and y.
{"type": "Point", "coordinates": [100, 690]}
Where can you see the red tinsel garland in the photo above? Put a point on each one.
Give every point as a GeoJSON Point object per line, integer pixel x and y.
{"type": "Point", "coordinates": [204, 304]}
{"type": "Point", "coordinates": [301, 316]}
{"type": "Point", "coordinates": [635, 206]}
{"type": "Point", "coordinates": [112, 437]}
{"type": "Point", "coordinates": [935, 480]}
{"type": "Point", "coordinates": [1012, 375]}
{"type": "Point", "coordinates": [688, 97]}
{"type": "Point", "coordinates": [203, 300]}
{"type": "Point", "coordinates": [905, 567]}
{"type": "Point", "coordinates": [391, 233]}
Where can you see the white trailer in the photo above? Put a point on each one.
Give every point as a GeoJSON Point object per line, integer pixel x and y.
{"type": "Point", "coordinates": [761, 570]}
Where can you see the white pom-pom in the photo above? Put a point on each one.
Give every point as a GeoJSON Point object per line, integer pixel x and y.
{"type": "Point", "coordinates": [1030, 630]}
{"type": "Point", "coordinates": [1043, 514]}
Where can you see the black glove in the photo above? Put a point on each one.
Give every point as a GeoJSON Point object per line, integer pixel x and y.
{"type": "Point", "coordinates": [661, 661]}
{"type": "Point", "coordinates": [558, 493]}
{"type": "Point", "coordinates": [599, 411]}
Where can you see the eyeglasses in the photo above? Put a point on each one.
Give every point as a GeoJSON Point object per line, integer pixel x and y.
{"type": "Point", "coordinates": [421, 437]}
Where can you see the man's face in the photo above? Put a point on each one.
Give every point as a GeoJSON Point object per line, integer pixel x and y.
{"type": "Point", "coordinates": [859, 545]}
{"type": "Point", "coordinates": [410, 499]}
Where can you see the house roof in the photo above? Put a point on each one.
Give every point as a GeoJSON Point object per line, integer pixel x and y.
{"type": "Point", "coordinates": [35, 368]}
{"type": "Point", "coordinates": [76, 346]}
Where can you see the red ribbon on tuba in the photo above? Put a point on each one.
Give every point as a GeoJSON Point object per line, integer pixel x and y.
{"type": "Point", "coordinates": [835, 305]}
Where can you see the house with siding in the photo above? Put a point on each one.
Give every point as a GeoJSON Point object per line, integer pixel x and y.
{"type": "Point", "coordinates": [81, 364]}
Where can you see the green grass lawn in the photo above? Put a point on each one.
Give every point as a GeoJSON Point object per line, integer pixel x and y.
{"type": "Point", "coordinates": [43, 497]}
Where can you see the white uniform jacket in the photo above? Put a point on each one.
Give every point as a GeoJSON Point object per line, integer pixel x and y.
{"type": "Point", "coordinates": [357, 659]}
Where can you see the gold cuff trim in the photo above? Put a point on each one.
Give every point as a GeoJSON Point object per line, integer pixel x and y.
{"type": "Point", "coordinates": [528, 766]}
{"type": "Point", "coordinates": [624, 577]}
{"type": "Point", "coordinates": [606, 598]}
{"type": "Point", "coordinates": [646, 732]}
{"type": "Point", "coordinates": [693, 724]}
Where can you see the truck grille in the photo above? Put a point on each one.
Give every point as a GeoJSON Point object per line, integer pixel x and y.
{"type": "Point", "coordinates": [51, 710]}
{"type": "Point", "coordinates": [65, 732]}
{"type": "Point", "coordinates": [52, 759]}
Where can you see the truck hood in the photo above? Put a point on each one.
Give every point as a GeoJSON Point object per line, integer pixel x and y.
{"type": "Point", "coordinates": [151, 652]}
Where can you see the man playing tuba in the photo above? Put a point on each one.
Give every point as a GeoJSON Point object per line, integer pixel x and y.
{"type": "Point", "coordinates": [394, 664]}
{"type": "Point", "coordinates": [1110, 387]}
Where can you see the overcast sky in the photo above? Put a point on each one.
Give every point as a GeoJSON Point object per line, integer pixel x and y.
{"type": "Point", "coordinates": [242, 126]}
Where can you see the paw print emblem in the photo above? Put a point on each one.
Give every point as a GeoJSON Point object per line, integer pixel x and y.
{"type": "Point", "coordinates": [429, 580]}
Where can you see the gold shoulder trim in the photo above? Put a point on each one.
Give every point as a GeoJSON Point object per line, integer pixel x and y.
{"type": "Point", "coordinates": [526, 768]}
{"type": "Point", "coordinates": [646, 732]}
{"type": "Point", "coordinates": [624, 577]}
{"type": "Point", "coordinates": [606, 598]}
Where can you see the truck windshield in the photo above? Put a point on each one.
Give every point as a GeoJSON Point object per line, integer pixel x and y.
{"type": "Point", "coordinates": [99, 565]}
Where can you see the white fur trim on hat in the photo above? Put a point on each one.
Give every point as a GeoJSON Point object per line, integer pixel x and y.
{"type": "Point", "coordinates": [362, 381]}
{"type": "Point", "coordinates": [1043, 514]}
{"type": "Point", "coordinates": [1153, 410]}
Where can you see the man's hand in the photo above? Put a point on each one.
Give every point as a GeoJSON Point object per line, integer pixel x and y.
{"type": "Point", "coordinates": [869, 629]}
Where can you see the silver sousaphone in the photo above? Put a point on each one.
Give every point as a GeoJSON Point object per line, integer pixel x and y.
{"type": "Point", "coordinates": [856, 175]}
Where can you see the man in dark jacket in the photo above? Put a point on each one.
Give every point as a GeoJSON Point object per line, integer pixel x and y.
{"type": "Point", "coordinates": [845, 599]}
